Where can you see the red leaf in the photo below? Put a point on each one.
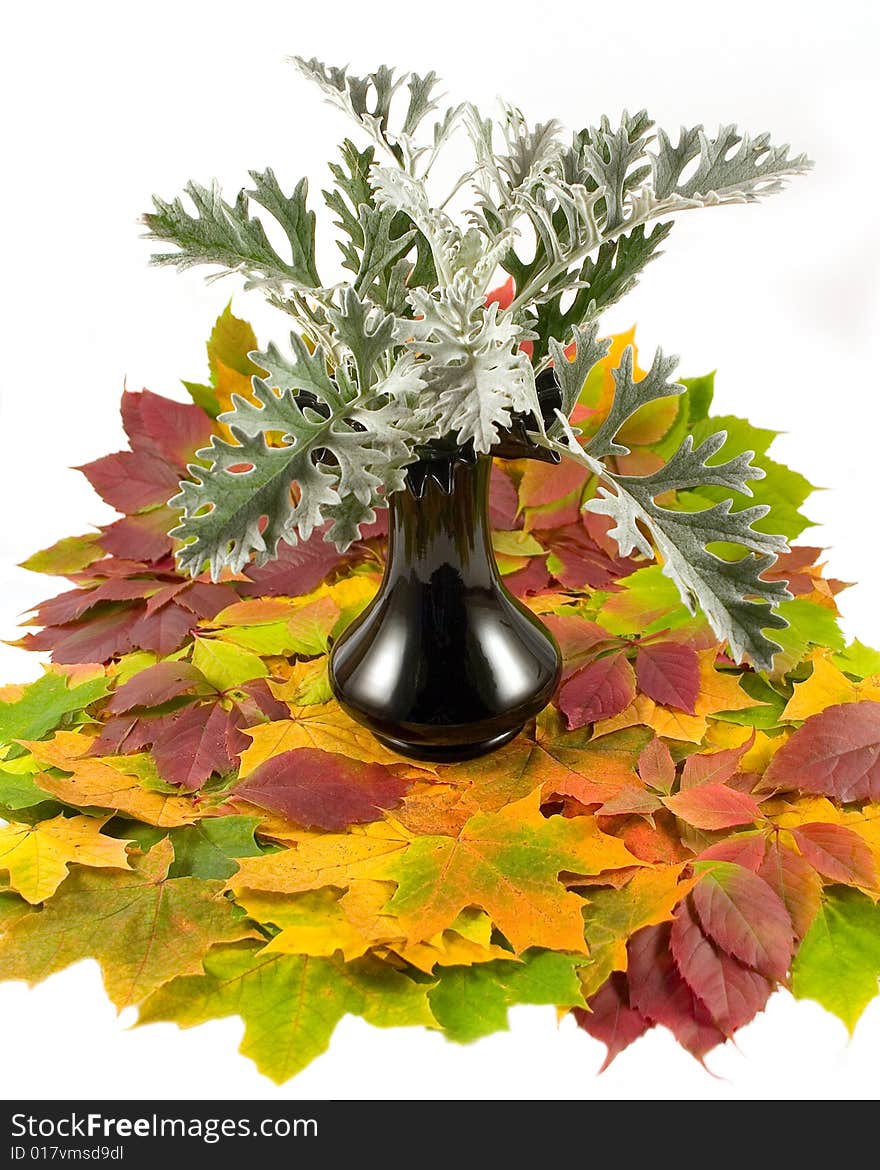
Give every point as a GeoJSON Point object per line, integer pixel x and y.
{"type": "Point", "coordinates": [97, 639]}
{"type": "Point", "coordinates": [69, 606]}
{"type": "Point", "coordinates": [547, 483]}
{"type": "Point", "coordinates": [599, 691]}
{"type": "Point", "coordinates": [164, 595]}
{"type": "Point", "coordinates": [610, 1019]}
{"type": "Point", "coordinates": [796, 883]}
{"type": "Point", "coordinates": [835, 753]}
{"type": "Point", "coordinates": [110, 567]}
{"type": "Point", "coordinates": [132, 480]}
{"type": "Point", "coordinates": [732, 992]}
{"type": "Point", "coordinates": [503, 502]}
{"type": "Point", "coordinates": [656, 766]}
{"type": "Point", "coordinates": [630, 801]}
{"type": "Point", "coordinates": [236, 740]}
{"type": "Point", "coordinates": [659, 993]}
{"type": "Point", "coordinates": [713, 806]}
{"type": "Point", "coordinates": [745, 917]}
{"type": "Point", "coordinates": [669, 673]}
{"type": "Point", "coordinates": [837, 853]}
{"type": "Point", "coordinates": [172, 430]}
{"type": "Point", "coordinates": [296, 570]}
{"type": "Point", "coordinates": [165, 630]}
{"type": "Point", "coordinates": [714, 767]}
{"type": "Point", "coordinates": [579, 561]}
{"type": "Point", "coordinates": [323, 790]}
{"type": "Point", "coordinates": [155, 685]}
{"type": "Point", "coordinates": [206, 598]}
{"type": "Point", "coordinates": [747, 851]}
{"type": "Point", "coordinates": [530, 580]}
{"type": "Point", "coordinates": [190, 746]}
{"type": "Point", "coordinates": [577, 638]}
{"type": "Point", "coordinates": [124, 734]}
{"type": "Point", "coordinates": [264, 701]}
{"type": "Point", "coordinates": [144, 536]}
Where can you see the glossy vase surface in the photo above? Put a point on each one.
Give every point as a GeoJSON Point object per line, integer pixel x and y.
{"type": "Point", "coordinates": [444, 664]}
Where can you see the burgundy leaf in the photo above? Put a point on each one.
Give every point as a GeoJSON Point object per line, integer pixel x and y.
{"type": "Point", "coordinates": [630, 800]}
{"type": "Point", "coordinates": [835, 753]}
{"type": "Point", "coordinates": [659, 993]}
{"type": "Point", "coordinates": [69, 606]}
{"type": "Point", "coordinates": [111, 567]}
{"type": "Point", "coordinates": [124, 734]}
{"type": "Point", "coordinates": [713, 806]}
{"type": "Point", "coordinates": [796, 883]}
{"type": "Point", "coordinates": [669, 673]}
{"type": "Point", "coordinates": [577, 638]}
{"type": "Point", "coordinates": [156, 685]}
{"type": "Point", "coordinates": [96, 639]}
{"type": "Point", "coordinates": [206, 598]}
{"type": "Point", "coordinates": [531, 579]}
{"type": "Point", "coordinates": [190, 746]}
{"type": "Point", "coordinates": [165, 630]}
{"type": "Point", "coordinates": [747, 850]}
{"type": "Point", "coordinates": [713, 767]}
{"type": "Point", "coordinates": [610, 1019]}
{"type": "Point", "coordinates": [323, 790]}
{"type": "Point", "coordinates": [733, 993]}
{"type": "Point", "coordinates": [144, 536]}
{"type": "Point", "coordinates": [132, 480]}
{"type": "Point", "coordinates": [297, 569]}
{"type": "Point", "coordinates": [264, 701]}
{"type": "Point", "coordinates": [598, 691]}
{"type": "Point", "coordinates": [503, 502]}
{"type": "Point", "coordinates": [164, 595]}
{"type": "Point", "coordinates": [745, 917]}
{"type": "Point", "coordinates": [236, 740]}
{"type": "Point", "coordinates": [656, 766]}
{"type": "Point", "coordinates": [577, 561]}
{"type": "Point", "coordinates": [837, 853]}
{"type": "Point", "coordinates": [172, 430]}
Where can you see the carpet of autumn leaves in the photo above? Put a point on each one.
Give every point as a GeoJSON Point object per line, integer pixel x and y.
{"type": "Point", "coordinates": [674, 838]}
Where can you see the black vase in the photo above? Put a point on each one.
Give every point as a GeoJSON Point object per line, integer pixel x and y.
{"type": "Point", "coordinates": [444, 664]}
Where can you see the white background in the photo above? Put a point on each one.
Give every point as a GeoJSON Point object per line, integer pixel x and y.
{"type": "Point", "coordinates": [105, 103]}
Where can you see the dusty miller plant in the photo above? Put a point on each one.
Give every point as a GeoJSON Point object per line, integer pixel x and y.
{"type": "Point", "coordinates": [406, 352]}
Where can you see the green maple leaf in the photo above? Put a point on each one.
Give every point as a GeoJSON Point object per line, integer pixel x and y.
{"type": "Point", "coordinates": [290, 1004]}
{"type": "Point", "coordinates": [839, 960]}
{"type": "Point", "coordinates": [208, 848]}
{"type": "Point", "coordinates": [470, 1002]}
{"type": "Point", "coordinates": [143, 927]}
{"type": "Point", "coordinates": [45, 704]}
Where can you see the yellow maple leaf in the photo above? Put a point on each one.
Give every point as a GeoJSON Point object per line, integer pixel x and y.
{"type": "Point", "coordinates": [826, 687]}
{"type": "Point", "coordinates": [322, 859]}
{"type": "Point", "coordinates": [612, 916]}
{"type": "Point", "coordinates": [720, 689]}
{"type": "Point", "coordinates": [310, 923]}
{"type": "Point", "coordinates": [324, 726]}
{"type": "Point", "coordinates": [663, 720]}
{"type": "Point", "coordinates": [508, 864]}
{"type": "Point", "coordinates": [791, 811]}
{"type": "Point", "coordinates": [94, 783]}
{"type": "Point", "coordinates": [762, 750]}
{"type": "Point", "coordinates": [226, 383]}
{"type": "Point", "coordinates": [37, 856]}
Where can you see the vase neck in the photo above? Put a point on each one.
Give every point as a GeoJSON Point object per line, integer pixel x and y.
{"type": "Point", "coordinates": [443, 524]}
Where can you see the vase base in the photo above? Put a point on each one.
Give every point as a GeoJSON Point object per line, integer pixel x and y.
{"type": "Point", "coordinates": [450, 753]}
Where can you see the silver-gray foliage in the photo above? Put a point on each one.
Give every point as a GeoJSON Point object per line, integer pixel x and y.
{"type": "Point", "coordinates": [405, 349]}
{"type": "Point", "coordinates": [736, 600]}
